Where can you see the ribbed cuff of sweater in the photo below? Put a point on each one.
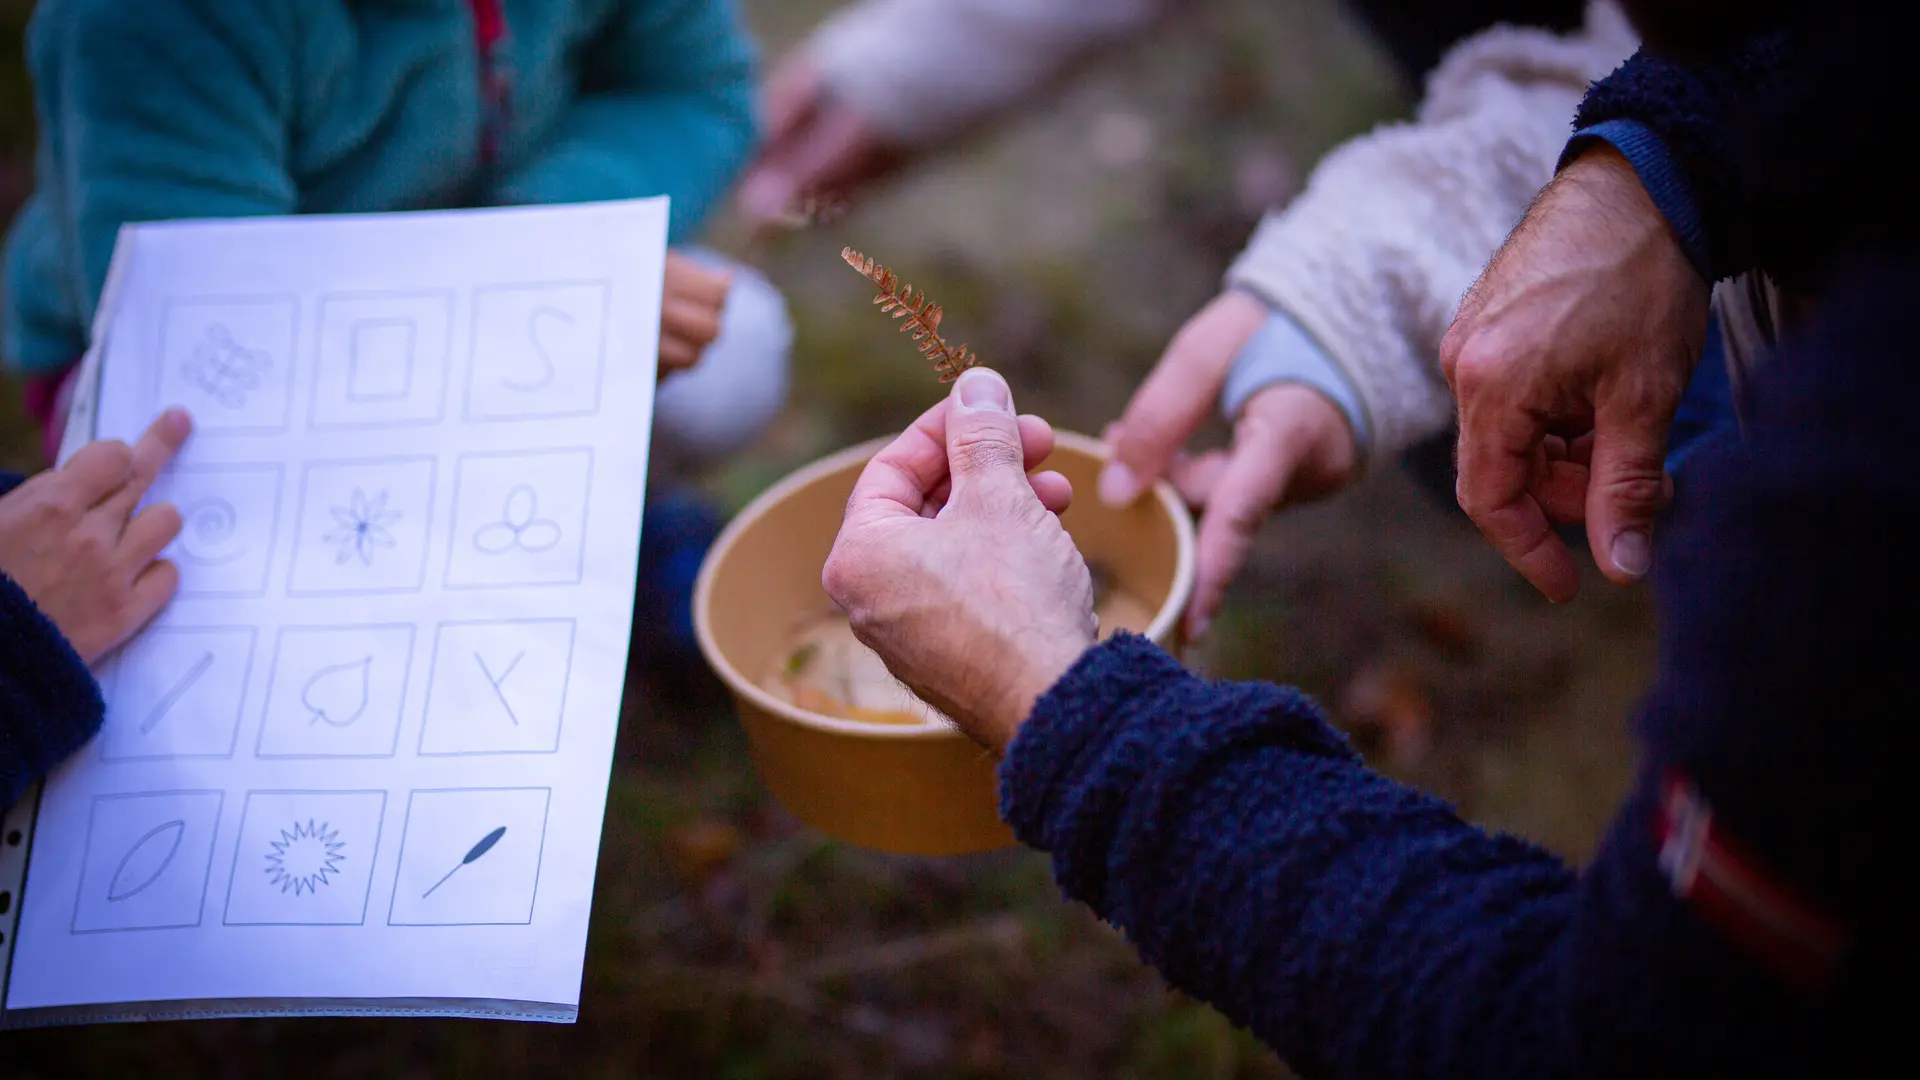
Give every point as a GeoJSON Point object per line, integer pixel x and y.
{"type": "Point", "coordinates": [1282, 351]}
{"type": "Point", "coordinates": [1124, 712]}
{"type": "Point", "coordinates": [1659, 173]}
{"type": "Point", "coordinates": [49, 704]}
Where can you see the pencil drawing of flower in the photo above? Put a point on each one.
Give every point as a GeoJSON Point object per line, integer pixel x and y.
{"type": "Point", "coordinates": [362, 527]}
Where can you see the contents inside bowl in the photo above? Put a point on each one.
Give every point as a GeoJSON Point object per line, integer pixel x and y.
{"type": "Point", "coordinates": [827, 671]}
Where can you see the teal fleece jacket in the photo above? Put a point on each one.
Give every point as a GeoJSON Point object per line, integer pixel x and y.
{"type": "Point", "coordinates": [158, 109]}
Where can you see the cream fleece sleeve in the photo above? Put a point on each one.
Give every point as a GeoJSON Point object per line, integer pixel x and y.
{"type": "Point", "coordinates": [921, 69]}
{"type": "Point", "coordinates": [1374, 256]}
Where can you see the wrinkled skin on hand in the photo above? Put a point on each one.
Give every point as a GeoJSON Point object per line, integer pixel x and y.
{"type": "Point", "coordinates": [1568, 359]}
{"type": "Point", "coordinates": [953, 566]}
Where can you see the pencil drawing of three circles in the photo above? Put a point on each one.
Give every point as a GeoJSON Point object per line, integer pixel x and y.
{"type": "Point", "coordinates": [360, 525]}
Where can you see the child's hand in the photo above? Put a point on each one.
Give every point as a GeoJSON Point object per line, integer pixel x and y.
{"type": "Point", "coordinates": [690, 313]}
{"type": "Point", "coordinates": [70, 539]}
{"type": "Point", "coordinates": [1291, 443]}
{"type": "Point", "coordinates": [815, 144]}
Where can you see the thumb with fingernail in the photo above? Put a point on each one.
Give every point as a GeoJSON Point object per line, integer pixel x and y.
{"type": "Point", "coordinates": [984, 451]}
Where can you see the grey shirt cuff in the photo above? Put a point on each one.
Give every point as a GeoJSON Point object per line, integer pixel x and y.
{"type": "Point", "coordinates": [1281, 351]}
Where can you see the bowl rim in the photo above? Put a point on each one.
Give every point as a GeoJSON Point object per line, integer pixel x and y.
{"type": "Point", "coordinates": [1163, 620]}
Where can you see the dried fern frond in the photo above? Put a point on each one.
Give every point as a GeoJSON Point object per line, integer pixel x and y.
{"type": "Point", "coordinates": [918, 316]}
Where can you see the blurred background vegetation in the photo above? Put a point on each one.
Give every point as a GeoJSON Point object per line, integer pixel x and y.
{"type": "Point", "coordinates": [730, 943]}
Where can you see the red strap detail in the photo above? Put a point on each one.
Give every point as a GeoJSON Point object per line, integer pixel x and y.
{"type": "Point", "coordinates": [489, 29]}
{"type": "Point", "coordinates": [1734, 891]}
{"type": "Point", "coordinates": [489, 23]}
{"type": "Point", "coordinates": [45, 398]}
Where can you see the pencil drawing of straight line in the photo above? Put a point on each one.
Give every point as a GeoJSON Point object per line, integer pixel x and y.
{"type": "Point", "coordinates": [173, 696]}
{"type": "Point", "coordinates": [495, 683]}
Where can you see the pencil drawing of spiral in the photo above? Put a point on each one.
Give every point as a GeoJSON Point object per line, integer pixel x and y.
{"type": "Point", "coordinates": [209, 532]}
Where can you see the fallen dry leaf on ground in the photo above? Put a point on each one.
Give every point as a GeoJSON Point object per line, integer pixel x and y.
{"type": "Point", "coordinates": [1393, 700]}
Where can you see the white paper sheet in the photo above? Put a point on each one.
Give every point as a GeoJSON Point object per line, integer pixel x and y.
{"type": "Point", "coordinates": [360, 763]}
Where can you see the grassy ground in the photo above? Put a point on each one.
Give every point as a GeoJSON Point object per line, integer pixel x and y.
{"type": "Point", "coordinates": [728, 942]}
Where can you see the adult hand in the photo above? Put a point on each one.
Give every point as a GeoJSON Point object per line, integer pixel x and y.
{"type": "Point", "coordinates": [690, 311]}
{"type": "Point", "coordinates": [1568, 358]}
{"type": "Point", "coordinates": [1290, 444]}
{"type": "Point", "coordinates": [815, 145]}
{"type": "Point", "coordinates": [70, 539]}
{"type": "Point", "coordinates": [978, 601]}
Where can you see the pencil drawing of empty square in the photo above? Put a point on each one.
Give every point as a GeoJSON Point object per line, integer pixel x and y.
{"type": "Point", "coordinates": [519, 518]}
{"type": "Point", "coordinates": [229, 361]}
{"type": "Point", "coordinates": [470, 857]}
{"type": "Point", "coordinates": [177, 691]}
{"type": "Point", "coordinates": [229, 518]}
{"type": "Point", "coordinates": [146, 861]}
{"type": "Point", "coordinates": [305, 858]}
{"type": "Point", "coordinates": [382, 358]}
{"type": "Point", "coordinates": [538, 350]}
{"type": "Point", "coordinates": [362, 527]}
{"type": "Point", "coordinates": [337, 691]}
{"type": "Point", "coordinates": [498, 687]}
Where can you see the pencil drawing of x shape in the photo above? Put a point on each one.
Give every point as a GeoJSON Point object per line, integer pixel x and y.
{"type": "Point", "coordinates": [495, 682]}
{"type": "Point", "coordinates": [172, 697]}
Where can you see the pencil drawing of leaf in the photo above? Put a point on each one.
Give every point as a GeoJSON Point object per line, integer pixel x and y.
{"type": "Point", "coordinates": [918, 316]}
{"type": "Point", "coordinates": [146, 860]}
{"type": "Point", "coordinates": [338, 693]}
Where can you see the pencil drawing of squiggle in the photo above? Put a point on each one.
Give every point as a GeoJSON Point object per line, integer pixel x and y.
{"type": "Point", "coordinates": [548, 372]}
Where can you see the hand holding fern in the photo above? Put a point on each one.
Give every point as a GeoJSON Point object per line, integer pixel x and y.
{"type": "Point", "coordinates": [952, 563]}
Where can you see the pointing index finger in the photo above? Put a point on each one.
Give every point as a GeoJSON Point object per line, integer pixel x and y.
{"type": "Point", "coordinates": [162, 440]}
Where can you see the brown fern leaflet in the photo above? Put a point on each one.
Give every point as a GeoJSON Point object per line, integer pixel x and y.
{"type": "Point", "coordinates": [918, 316]}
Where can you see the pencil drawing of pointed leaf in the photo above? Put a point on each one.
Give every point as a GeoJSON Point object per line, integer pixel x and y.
{"type": "Point", "coordinates": [338, 693]}
{"type": "Point", "coordinates": [146, 860]}
{"type": "Point", "coordinates": [485, 845]}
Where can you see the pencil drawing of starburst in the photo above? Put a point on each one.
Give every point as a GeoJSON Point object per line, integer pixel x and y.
{"type": "Point", "coordinates": [305, 857]}
{"type": "Point", "coordinates": [362, 527]}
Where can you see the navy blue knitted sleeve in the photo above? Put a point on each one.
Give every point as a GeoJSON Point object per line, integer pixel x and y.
{"type": "Point", "coordinates": [1357, 926]}
{"type": "Point", "coordinates": [49, 703]}
{"type": "Point", "coordinates": [1694, 112]}
{"type": "Point", "coordinates": [1360, 927]}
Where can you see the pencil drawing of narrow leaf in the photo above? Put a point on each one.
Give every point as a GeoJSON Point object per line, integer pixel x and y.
{"type": "Point", "coordinates": [485, 845]}
{"type": "Point", "coordinates": [337, 694]}
{"type": "Point", "coordinates": [146, 860]}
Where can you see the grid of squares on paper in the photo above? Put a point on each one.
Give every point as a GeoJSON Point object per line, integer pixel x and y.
{"type": "Point", "coordinates": [535, 351]}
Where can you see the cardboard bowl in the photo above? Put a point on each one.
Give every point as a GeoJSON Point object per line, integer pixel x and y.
{"type": "Point", "coordinates": [918, 790]}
